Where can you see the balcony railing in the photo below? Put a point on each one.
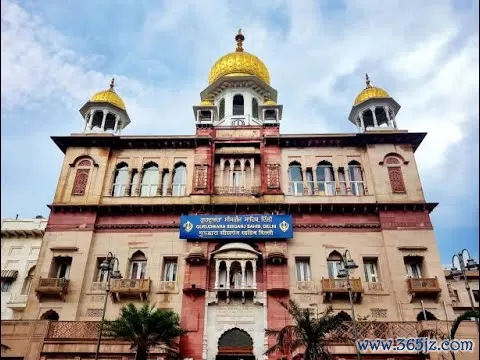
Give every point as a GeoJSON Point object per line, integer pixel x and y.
{"type": "Point", "coordinates": [52, 286]}
{"type": "Point", "coordinates": [325, 188]}
{"type": "Point", "coordinates": [236, 190]}
{"type": "Point", "coordinates": [428, 287]}
{"type": "Point", "coordinates": [375, 287]}
{"type": "Point", "coordinates": [129, 288]}
{"type": "Point", "coordinates": [17, 301]}
{"type": "Point", "coordinates": [338, 287]}
{"type": "Point", "coordinates": [168, 287]}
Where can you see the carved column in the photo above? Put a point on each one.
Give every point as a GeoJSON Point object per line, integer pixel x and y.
{"type": "Point", "coordinates": [375, 122]}
{"type": "Point", "coordinates": [222, 175]}
{"type": "Point", "coordinates": [126, 192]}
{"type": "Point", "coordinates": [254, 275]}
{"type": "Point", "coordinates": [337, 181]}
{"type": "Point", "coordinates": [230, 174]}
{"type": "Point", "coordinates": [252, 173]}
{"type": "Point", "coordinates": [217, 274]}
{"type": "Point", "coordinates": [387, 114]}
{"type": "Point", "coordinates": [365, 189]}
{"type": "Point", "coordinates": [304, 180]}
{"type": "Point", "coordinates": [242, 182]}
{"type": "Point", "coordinates": [227, 284]}
{"type": "Point", "coordinates": [159, 182]}
{"type": "Point", "coordinates": [104, 118]}
{"type": "Point", "coordinates": [138, 183]}
{"type": "Point", "coordinates": [347, 180]}
{"type": "Point", "coordinates": [243, 264]}
{"type": "Point", "coordinates": [116, 124]}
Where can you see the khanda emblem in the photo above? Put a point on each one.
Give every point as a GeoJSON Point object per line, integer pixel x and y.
{"type": "Point", "coordinates": [284, 226]}
{"type": "Point", "coordinates": [188, 226]}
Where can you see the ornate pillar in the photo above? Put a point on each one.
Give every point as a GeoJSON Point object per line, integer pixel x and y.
{"type": "Point", "coordinates": [117, 118]}
{"type": "Point", "coordinates": [304, 180]}
{"type": "Point", "coordinates": [159, 182]}
{"type": "Point", "coordinates": [375, 123]}
{"type": "Point", "coordinates": [243, 264]}
{"type": "Point", "coordinates": [365, 189]}
{"type": "Point", "coordinates": [315, 182]}
{"type": "Point", "coordinates": [138, 183]}
{"type": "Point", "coordinates": [362, 124]}
{"type": "Point", "coordinates": [254, 270]}
{"type": "Point", "coordinates": [387, 114]}
{"type": "Point", "coordinates": [347, 180]}
{"type": "Point", "coordinates": [128, 186]}
{"type": "Point", "coordinates": [227, 283]}
{"type": "Point", "coordinates": [242, 168]}
{"type": "Point", "coordinates": [222, 174]}
{"type": "Point", "coordinates": [104, 118]}
{"type": "Point", "coordinates": [217, 274]}
{"type": "Point", "coordinates": [230, 174]}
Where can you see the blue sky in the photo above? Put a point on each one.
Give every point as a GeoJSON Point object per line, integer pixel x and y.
{"type": "Point", "coordinates": [57, 53]}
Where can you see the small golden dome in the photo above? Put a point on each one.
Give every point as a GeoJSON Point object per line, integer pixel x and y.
{"type": "Point", "coordinates": [370, 92]}
{"type": "Point", "coordinates": [109, 96]}
{"type": "Point", "coordinates": [206, 102]}
{"type": "Point", "coordinates": [269, 102]}
{"type": "Point", "coordinates": [239, 63]}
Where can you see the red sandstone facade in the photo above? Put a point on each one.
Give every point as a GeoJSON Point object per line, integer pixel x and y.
{"type": "Point", "coordinates": [126, 194]}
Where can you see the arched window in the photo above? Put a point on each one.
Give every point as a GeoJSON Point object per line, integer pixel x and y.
{"type": "Point", "coordinates": [254, 108]}
{"type": "Point", "coordinates": [81, 177]}
{"type": "Point", "coordinates": [395, 175]}
{"type": "Point", "coordinates": [356, 178]}
{"type": "Point", "coordinates": [221, 110]}
{"type": "Point", "coordinates": [238, 105]}
{"type": "Point", "coordinates": [149, 184]}
{"type": "Point", "coordinates": [179, 180]}
{"type": "Point", "coordinates": [27, 284]}
{"type": "Point", "coordinates": [138, 265]}
{"type": "Point", "coordinates": [295, 178]}
{"type": "Point", "coordinates": [335, 264]}
{"type": "Point", "coordinates": [325, 179]}
{"type": "Point", "coordinates": [120, 180]}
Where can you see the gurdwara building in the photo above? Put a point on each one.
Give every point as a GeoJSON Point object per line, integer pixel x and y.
{"type": "Point", "coordinates": [223, 224]}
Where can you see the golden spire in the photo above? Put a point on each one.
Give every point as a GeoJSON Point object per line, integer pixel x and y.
{"type": "Point", "coordinates": [112, 85]}
{"type": "Point", "coordinates": [367, 81]}
{"type": "Point", "coordinates": [239, 38]}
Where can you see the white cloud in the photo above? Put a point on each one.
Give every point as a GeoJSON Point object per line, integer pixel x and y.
{"type": "Point", "coordinates": [316, 58]}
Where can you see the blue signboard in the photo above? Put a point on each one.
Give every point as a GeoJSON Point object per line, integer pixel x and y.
{"type": "Point", "coordinates": [196, 227]}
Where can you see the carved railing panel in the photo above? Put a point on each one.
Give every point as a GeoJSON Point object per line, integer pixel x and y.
{"type": "Point", "coordinates": [98, 287]}
{"type": "Point", "coordinates": [132, 285]}
{"type": "Point", "coordinates": [168, 287]}
{"type": "Point", "coordinates": [373, 287]}
{"type": "Point", "coordinates": [56, 284]}
{"type": "Point", "coordinates": [423, 285]}
{"type": "Point", "coordinates": [236, 190]}
{"type": "Point", "coordinates": [305, 287]}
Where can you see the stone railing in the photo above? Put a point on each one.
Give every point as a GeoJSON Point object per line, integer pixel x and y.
{"type": "Point", "coordinates": [52, 286]}
{"type": "Point", "coordinates": [17, 299]}
{"type": "Point", "coordinates": [375, 287]}
{"type": "Point", "coordinates": [125, 285]}
{"type": "Point", "coordinates": [425, 285]}
{"type": "Point", "coordinates": [98, 286]}
{"type": "Point", "coordinates": [305, 287]}
{"type": "Point", "coordinates": [167, 287]}
{"type": "Point", "coordinates": [236, 190]}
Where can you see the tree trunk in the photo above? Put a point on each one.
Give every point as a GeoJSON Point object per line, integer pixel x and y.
{"type": "Point", "coordinates": [142, 354]}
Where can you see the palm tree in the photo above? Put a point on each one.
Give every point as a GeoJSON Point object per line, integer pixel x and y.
{"type": "Point", "coordinates": [310, 334]}
{"type": "Point", "coordinates": [465, 316]}
{"type": "Point", "coordinates": [145, 328]}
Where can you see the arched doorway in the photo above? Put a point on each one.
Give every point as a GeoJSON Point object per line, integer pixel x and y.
{"type": "Point", "coordinates": [235, 344]}
{"type": "Point", "coordinates": [50, 315]}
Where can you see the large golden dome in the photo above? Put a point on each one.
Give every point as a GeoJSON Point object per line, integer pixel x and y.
{"type": "Point", "coordinates": [109, 96]}
{"type": "Point", "coordinates": [239, 62]}
{"type": "Point", "coordinates": [370, 92]}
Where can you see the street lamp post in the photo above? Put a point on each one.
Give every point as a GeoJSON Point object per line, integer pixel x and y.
{"type": "Point", "coordinates": [350, 265]}
{"type": "Point", "coordinates": [110, 267]}
{"type": "Point", "coordinates": [470, 264]}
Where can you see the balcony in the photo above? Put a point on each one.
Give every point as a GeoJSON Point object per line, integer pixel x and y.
{"type": "Point", "coordinates": [337, 289]}
{"type": "Point", "coordinates": [129, 288]}
{"type": "Point", "coordinates": [52, 287]}
{"type": "Point", "coordinates": [17, 301]}
{"type": "Point", "coordinates": [424, 287]}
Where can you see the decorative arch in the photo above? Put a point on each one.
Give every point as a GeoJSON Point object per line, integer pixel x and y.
{"type": "Point", "coordinates": [79, 161]}
{"type": "Point", "coordinates": [295, 178]}
{"type": "Point", "coordinates": [334, 264]}
{"type": "Point", "coordinates": [393, 159]}
{"type": "Point", "coordinates": [50, 315]}
{"type": "Point", "coordinates": [235, 338]}
{"type": "Point", "coordinates": [357, 182]}
{"type": "Point", "coordinates": [138, 255]}
{"type": "Point", "coordinates": [138, 265]}
{"type": "Point", "coordinates": [394, 162]}
{"type": "Point", "coordinates": [427, 316]}
{"type": "Point", "coordinates": [150, 178]}
{"type": "Point", "coordinates": [27, 284]}
{"type": "Point", "coordinates": [83, 165]}
{"type": "Point", "coordinates": [344, 316]}
{"type": "Point", "coordinates": [334, 255]}
{"type": "Point", "coordinates": [238, 105]}
{"type": "Point", "coordinates": [325, 178]}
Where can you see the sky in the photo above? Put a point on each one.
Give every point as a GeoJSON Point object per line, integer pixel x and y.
{"type": "Point", "coordinates": [57, 53]}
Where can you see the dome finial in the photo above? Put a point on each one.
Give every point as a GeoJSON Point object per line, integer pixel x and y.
{"type": "Point", "coordinates": [367, 81]}
{"type": "Point", "coordinates": [112, 84]}
{"type": "Point", "coordinates": [239, 38]}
